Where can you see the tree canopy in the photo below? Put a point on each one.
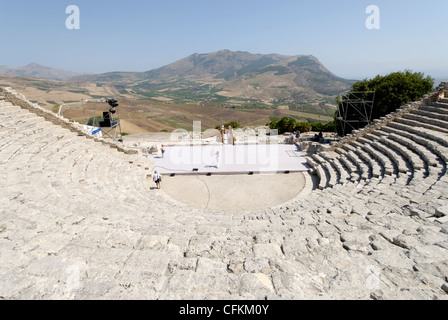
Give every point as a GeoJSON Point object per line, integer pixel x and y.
{"type": "Point", "coordinates": [286, 124]}
{"type": "Point", "coordinates": [392, 91]}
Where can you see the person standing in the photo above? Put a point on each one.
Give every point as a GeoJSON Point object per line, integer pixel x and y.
{"type": "Point", "coordinates": [217, 159]}
{"type": "Point", "coordinates": [230, 136]}
{"type": "Point", "coordinates": [157, 179]}
{"type": "Point", "coordinates": [163, 151]}
{"type": "Point", "coordinates": [222, 133]}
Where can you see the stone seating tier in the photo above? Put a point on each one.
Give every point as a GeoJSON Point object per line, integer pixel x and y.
{"type": "Point", "coordinates": [70, 203]}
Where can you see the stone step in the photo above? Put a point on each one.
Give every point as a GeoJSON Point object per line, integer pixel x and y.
{"type": "Point", "coordinates": [431, 114]}
{"type": "Point", "coordinates": [433, 150]}
{"type": "Point", "coordinates": [439, 124]}
{"type": "Point", "coordinates": [18, 126]}
{"type": "Point", "coordinates": [66, 157]}
{"type": "Point", "coordinates": [6, 106]}
{"type": "Point", "coordinates": [434, 109]}
{"type": "Point", "coordinates": [364, 169]}
{"type": "Point", "coordinates": [78, 171]}
{"type": "Point", "coordinates": [438, 104]}
{"type": "Point", "coordinates": [373, 164]}
{"type": "Point", "coordinates": [13, 111]}
{"type": "Point", "coordinates": [342, 175]}
{"type": "Point", "coordinates": [417, 124]}
{"type": "Point", "coordinates": [33, 147]}
{"type": "Point", "coordinates": [412, 158]}
{"type": "Point", "coordinates": [31, 135]}
{"type": "Point", "coordinates": [439, 137]}
{"type": "Point", "coordinates": [323, 177]}
{"type": "Point", "coordinates": [316, 162]}
{"type": "Point", "coordinates": [411, 142]}
{"type": "Point", "coordinates": [383, 158]}
{"type": "Point", "coordinates": [396, 157]}
{"type": "Point", "coordinates": [354, 172]}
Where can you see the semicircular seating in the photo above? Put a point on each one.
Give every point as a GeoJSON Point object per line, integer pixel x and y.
{"type": "Point", "coordinates": [375, 227]}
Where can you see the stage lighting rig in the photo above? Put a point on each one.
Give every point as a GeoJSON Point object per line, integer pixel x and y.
{"type": "Point", "coordinates": [113, 103]}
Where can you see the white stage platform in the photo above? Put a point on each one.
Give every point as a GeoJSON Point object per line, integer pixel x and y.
{"type": "Point", "coordinates": [238, 159]}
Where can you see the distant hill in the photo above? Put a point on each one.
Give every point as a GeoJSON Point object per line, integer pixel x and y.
{"type": "Point", "coordinates": [230, 76]}
{"type": "Point", "coordinates": [303, 71]}
{"type": "Point", "coordinates": [38, 71]}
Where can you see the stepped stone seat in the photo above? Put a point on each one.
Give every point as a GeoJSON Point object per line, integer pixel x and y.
{"type": "Point", "coordinates": [354, 171]}
{"type": "Point", "coordinates": [320, 172]}
{"type": "Point", "coordinates": [411, 157]}
{"type": "Point", "coordinates": [385, 161]}
{"type": "Point", "coordinates": [440, 124]}
{"type": "Point", "coordinates": [324, 169]}
{"type": "Point", "coordinates": [417, 123]}
{"type": "Point", "coordinates": [430, 158]}
{"type": "Point", "coordinates": [435, 109]}
{"type": "Point", "coordinates": [343, 174]}
{"type": "Point", "coordinates": [127, 241]}
{"type": "Point", "coordinates": [395, 157]}
{"type": "Point", "coordinates": [354, 157]}
{"type": "Point", "coordinates": [436, 142]}
{"type": "Point", "coordinates": [373, 165]}
{"type": "Point", "coordinates": [432, 151]}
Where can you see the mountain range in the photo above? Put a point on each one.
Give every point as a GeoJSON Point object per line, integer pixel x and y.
{"type": "Point", "coordinates": [218, 78]}
{"type": "Point", "coordinates": [39, 71]}
{"type": "Point", "coordinates": [257, 76]}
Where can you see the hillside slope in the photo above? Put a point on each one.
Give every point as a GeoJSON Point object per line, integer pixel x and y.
{"type": "Point", "coordinates": [38, 71]}
{"type": "Point", "coordinates": [230, 77]}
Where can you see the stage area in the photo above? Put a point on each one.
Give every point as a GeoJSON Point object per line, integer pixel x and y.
{"type": "Point", "coordinates": [229, 159]}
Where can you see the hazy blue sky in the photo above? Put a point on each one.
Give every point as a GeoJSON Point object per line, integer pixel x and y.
{"type": "Point", "coordinates": [143, 35]}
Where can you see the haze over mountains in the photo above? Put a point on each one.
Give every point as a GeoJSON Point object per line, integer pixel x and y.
{"type": "Point", "coordinates": [228, 74]}
{"type": "Point", "coordinates": [39, 71]}
{"type": "Point", "coordinates": [258, 76]}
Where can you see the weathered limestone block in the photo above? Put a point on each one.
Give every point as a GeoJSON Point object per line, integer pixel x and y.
{"type": "Point", "coordinates": [269, 250]}
{"type": "Point", "coordinates": [257, 265]}
{"type": "Point", "coordinates": [441, 211]}
{"type": "Point", "coordinates": [257, 284]}
{"type": "Point", "coordinates": [393, 259]}
{"type": "Point", "coordinates": [355, 241]}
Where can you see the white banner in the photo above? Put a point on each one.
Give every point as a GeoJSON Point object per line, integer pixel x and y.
{"type": "Point", "coordinates": [94, 131]}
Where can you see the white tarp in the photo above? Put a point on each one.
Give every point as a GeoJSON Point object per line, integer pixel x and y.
{"type": "Point", "coordinates": [94, 131]}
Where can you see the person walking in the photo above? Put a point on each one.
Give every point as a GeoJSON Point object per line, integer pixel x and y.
{"type": "Point", "coordinates": [157, 179]}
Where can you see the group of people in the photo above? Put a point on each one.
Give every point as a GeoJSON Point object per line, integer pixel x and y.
{"type": "Point", "coordinates": [227, 134]}
{"type": "Point", "coordinates": [294, 137]}
{"type": "Point", "coordinates": [317, 137]}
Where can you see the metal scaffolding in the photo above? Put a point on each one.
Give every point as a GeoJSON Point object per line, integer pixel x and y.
{"type": "Point", "coordinates": [355, 110]}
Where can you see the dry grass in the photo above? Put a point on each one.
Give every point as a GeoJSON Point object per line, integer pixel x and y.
{"type": "Point", "coordinates": [139, 116]}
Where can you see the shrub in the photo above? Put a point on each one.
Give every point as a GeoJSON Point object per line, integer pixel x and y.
{"type": "Point", "coordinates": [233, 124]}
{"type": "Point", "coordinates": [303, 127]}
